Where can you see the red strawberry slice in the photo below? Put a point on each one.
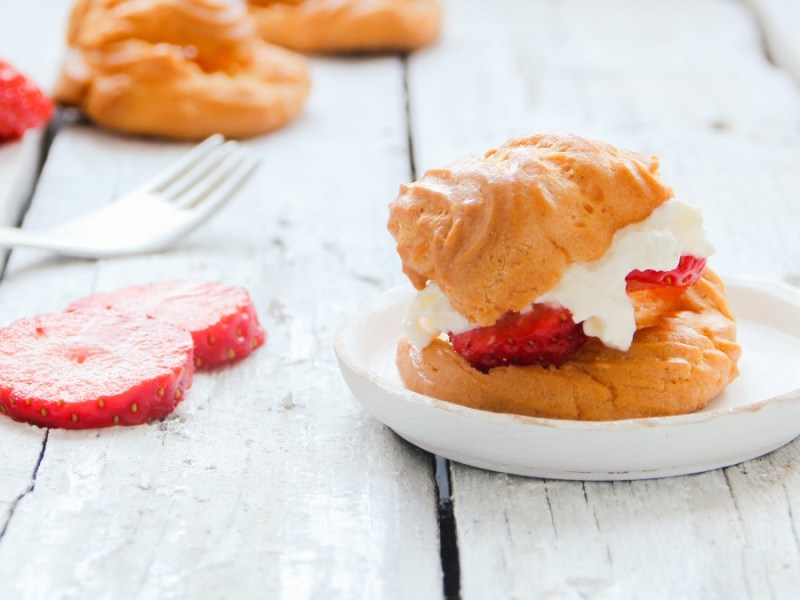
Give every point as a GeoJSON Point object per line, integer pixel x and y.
{"type": "Point", "coordinates": [22, 104]}
{"type": "Point", "coordinates": [92, 369]}
{"type": "Point", "coordinates": [543, 336]}
{"type": "Point", "coordinates": [221, 319]}
{"type": "Point", "coordinates": [688, 272]}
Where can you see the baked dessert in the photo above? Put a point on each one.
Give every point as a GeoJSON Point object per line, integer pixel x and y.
{"type": "Point", "coordinates": [348, 25]}
{"type": "Point", "coordinates": [560, 278]}
{"type": "Point", "coordinates": [178, 68]}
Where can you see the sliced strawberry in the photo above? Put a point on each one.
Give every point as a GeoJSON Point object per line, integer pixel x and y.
{"type": "Point", "coordinates": [221, 319]}
{"type": "Point", "coordinates": [92, 369]}
{"type": "Point", "coordinates": [688, 272]}
{"type": "Point", "coordinates": [543, 336]}
{"type": "Point", "coordinates": [22, 104]}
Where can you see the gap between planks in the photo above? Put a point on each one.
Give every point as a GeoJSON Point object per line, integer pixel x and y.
{"type": "Point", "coordinates": [445, 512]}
{"type": "Point", "coordinates": [448, 537]}
{"type": "Point", "coordinates": [45, 144]}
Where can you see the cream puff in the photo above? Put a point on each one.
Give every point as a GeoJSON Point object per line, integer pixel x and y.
{"type": "Point", "coordinates": [559, 277]}
{"type": "Point", "coordinates": [178, 68]}
{"type": "Point", "coordinates": [348, 25]}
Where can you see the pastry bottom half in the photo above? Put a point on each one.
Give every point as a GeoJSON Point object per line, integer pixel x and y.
{"type": "Point", "coordinates": [683, 354]}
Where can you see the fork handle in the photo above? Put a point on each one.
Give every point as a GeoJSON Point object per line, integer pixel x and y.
{"type": "Point", "coordinates": [14, 237]}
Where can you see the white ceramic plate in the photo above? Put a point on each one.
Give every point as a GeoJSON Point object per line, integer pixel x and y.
{"type": "Point", "coordinates": [757, 413]}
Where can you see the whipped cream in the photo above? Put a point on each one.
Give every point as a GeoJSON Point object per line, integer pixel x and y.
{"type": "Point", "coordinates": [595, 293]}
{"type": "Point", "coordinates": [429, 314]}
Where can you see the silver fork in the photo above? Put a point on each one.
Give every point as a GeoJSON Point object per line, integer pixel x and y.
{"type": "Point", "coordinates": [155, 215]}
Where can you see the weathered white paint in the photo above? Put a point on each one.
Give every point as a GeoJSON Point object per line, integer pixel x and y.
{"type": "Point", "coordinates": [269, 480]}
{"type": "Point", "coordinates": [687, 80]}
{"type": "Point", "coordinates": [18, 161]}
{"type": "Point", "coordinates": [723, 534]}
{"type": "Point", "coordinates": [36, 52]}
{"type": "Point", "coordinates": [32, 45]}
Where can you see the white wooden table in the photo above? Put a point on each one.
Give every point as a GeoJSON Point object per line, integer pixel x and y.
{"type": "Point", "coordinates": [270, 481]}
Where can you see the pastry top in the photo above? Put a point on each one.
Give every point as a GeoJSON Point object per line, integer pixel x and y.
{"type": "Point", "coordinates": [178, 68]}
{"type": "Point", "coordinates": [213, 28]}
{"type": "Point", "coordinates": [497, 232]}
{"type": "Point", "coordinates": [348, 25]}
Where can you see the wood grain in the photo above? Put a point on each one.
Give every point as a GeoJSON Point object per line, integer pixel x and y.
{"type": "Point", "coordinates": [269, 480]}
{"type": "Point", "coordinates": [724, 534]}
{"type": "Point", "coordinates": [36, 52]}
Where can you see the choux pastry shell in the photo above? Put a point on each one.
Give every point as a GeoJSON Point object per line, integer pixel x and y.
{"type": "Point", "coordinates": [348, 25]}
{"type": "Point", "coordinates": [178, 68]}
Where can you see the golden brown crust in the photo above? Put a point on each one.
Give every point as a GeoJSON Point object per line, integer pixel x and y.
{"type": "Point", "coordinates": [348, 25]}
{"type": "Point", "coordinates": [683, 354]}
{"type": "Point", "coordinates": [497, 232]}
{"type": "Point", "coordinates": [178, 68]}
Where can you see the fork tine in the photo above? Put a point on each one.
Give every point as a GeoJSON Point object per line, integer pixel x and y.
{"type": "Point", "coordinates": [176, 170]}
{"type": "Point", "coordinates": [222, 177]}
{"type": "Point", "coordinates": [198, 172]}
{"type": "Point", "coordinates": [220, 196]}
{"type": "Point", "coordinates": [218, 180]}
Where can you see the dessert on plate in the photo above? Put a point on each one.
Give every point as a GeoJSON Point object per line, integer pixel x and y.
{"type": "Point", "coordinates": [178, 68]}
{"type": "Point", "coordinates": [559, 277]}
{"type": "Point", "coordinates": [348, 25]}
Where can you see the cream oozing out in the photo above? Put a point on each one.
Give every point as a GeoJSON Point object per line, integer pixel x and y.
{"type": "Point", "coordinates": [429, 314]}
{"type": "Point", "coordinates": [595, 293]}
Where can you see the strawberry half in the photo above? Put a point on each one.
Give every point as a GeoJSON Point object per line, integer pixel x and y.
{"type": "Point", "coordinates": [543, 336]}
{"type": "Point", "coordinates": [23, 105]}
{"type": "Point", "coordinates": [688, 272]}
{"type": "Point", "coordinates": [221, 319]}
{"type": "Point", "coordinates": [92, 369]}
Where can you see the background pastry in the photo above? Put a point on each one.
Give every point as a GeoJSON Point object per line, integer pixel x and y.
{"type": "Point", "coordinates": [178, 68]}
{"type": "Point", "coordinates": [348, 25]}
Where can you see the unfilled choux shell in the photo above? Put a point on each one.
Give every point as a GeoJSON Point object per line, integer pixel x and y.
{"type": "Point", "coordinates": [178, 68]}
{"type": "Point", "coordinates": [348, 25]}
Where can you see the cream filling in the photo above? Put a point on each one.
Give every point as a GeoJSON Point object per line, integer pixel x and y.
{"type": "Point", "coordinates": [595, 293]}
{"type": "Point", "coordinates": [429, 314]}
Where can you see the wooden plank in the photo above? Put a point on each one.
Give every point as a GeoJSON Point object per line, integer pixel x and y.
{"type": "Point", "coordinates": [725, 534]}
{"type": "Point", "coordinates": [651, 76]}
{"type": "Point", "coordinates": [18, 160]}
{"type": "Point", "coordinates": [34, 46]}
{"type": "Point", "coordinates": [269, 480]}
